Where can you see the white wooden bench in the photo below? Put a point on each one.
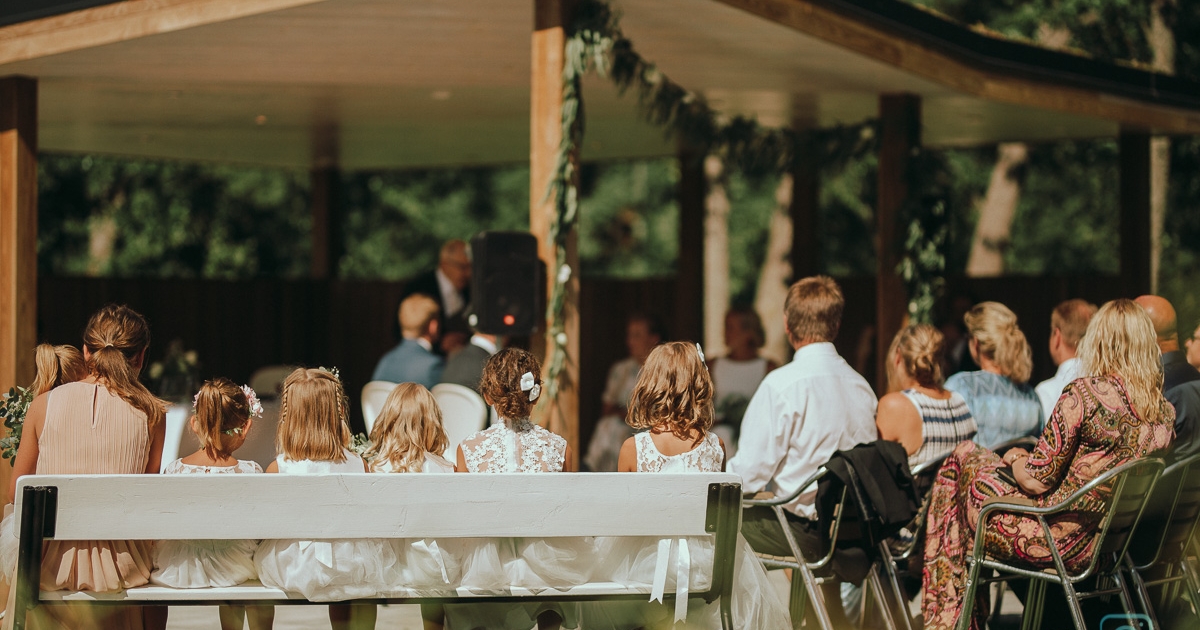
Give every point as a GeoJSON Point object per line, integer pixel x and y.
{"type": "Point", "coordinates": [349, 506]}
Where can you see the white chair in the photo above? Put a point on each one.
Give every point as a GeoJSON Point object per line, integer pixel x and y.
{"type": "Point", "coordinates": [267, 381]}
{"type": "Point", "coordinates": [463, 413]}
{"type": "Point", "coordinates": [373, 396]}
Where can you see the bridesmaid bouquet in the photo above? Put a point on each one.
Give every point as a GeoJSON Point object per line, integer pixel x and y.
{"type": "Point", "coordinates": [13, 406]}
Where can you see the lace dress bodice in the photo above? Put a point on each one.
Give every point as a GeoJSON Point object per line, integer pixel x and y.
{"type": "Point", "coordinates": [521, 447]}
{"type": "Point", "coordinates": [707, 457]}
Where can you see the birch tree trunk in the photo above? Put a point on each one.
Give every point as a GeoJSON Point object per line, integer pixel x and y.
{"type": "Point", "coordinates": [716, 257]}
{"type": "Point", "coordinates": [997, 211]}
{"type": "Point", "coordinates": [1162, 44]}
{"type": "Point", "coordinates": [772, 279]}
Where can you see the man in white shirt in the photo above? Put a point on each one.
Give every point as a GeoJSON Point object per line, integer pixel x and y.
{"type": "Point", "coordinates": [800, 415]}
{"type": "Point", "coordinates": [1067, 324]}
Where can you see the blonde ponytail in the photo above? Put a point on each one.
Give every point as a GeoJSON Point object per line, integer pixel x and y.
{"type": "Point", "coordinates": [56, 365]}
{"type": "Point", "coordinates": [994, 328]}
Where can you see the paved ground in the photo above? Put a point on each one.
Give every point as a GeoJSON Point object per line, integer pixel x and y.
{"type": "Point", "coordinates": [294, 618]}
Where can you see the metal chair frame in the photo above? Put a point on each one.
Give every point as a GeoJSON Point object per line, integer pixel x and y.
{"type": "Point", "coordinates": [1179, 531]}
{"type": "Point", "coordinates": [1127, 503]}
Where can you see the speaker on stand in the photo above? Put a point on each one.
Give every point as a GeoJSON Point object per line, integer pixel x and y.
{"type": "Point", "coordinates": [508, 284]}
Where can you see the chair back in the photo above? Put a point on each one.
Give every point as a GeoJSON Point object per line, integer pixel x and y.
{"type": "Point", "coordinates": [463, 413]}
{"type": "Point", "coordinates": [374, 394]}
{"type": "Point", "coordinates": [1171, 518]}
{"type": "Point", "coordinates": [267, 381]}
{"type": "Point", "coordinates": [1131, 485]}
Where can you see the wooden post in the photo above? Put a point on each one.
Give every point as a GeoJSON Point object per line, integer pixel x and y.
{"type": "Point", "coordinates": [327, 234]}
{"type": "Point", "coordinates": [545, 130]}
{"type": "Point", "coordinates": [1135, 211]}
{"type": "Point", "coordinates": [900, 119]}
{"type": "Point", "coordinates": [689, 274]}
{"type": "Point", "coordinates": [18, 231]}
{"type": "Point", "coordinates": [805, 209]}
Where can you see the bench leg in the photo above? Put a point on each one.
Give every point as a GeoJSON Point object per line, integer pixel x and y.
{"type": "Point", "coordinates": [29, 556]}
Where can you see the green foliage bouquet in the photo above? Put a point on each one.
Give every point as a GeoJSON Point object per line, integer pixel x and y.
{"type": "Point", "coordinates": [13, 407]}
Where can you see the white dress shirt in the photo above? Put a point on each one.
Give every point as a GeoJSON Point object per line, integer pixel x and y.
{"type": "Point", "coordinates": [1050, 390]}
{"type": "Point", "coordinates": [801, 414]}
{"type": "Point", "coordinates": [452, 300]}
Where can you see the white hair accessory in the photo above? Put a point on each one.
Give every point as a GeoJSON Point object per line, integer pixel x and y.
{"type": "Point", "coordinates": [700, 351]}
{"type": "Point", "coordinates": [529, 384]}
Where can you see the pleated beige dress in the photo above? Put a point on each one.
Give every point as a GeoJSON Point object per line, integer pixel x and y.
{"type": "Point", "coordinates": [89, 430]}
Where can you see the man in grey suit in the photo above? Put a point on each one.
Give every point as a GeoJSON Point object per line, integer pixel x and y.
{"type": "Point", "coordinates": [413, 361]}
{"type": "Point", "coordinates": [465, 367]}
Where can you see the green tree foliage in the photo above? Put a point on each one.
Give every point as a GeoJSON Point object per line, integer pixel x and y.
{"type": "Point", "coordinates": [629, 218]}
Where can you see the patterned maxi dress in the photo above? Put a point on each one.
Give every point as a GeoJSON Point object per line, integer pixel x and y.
{"type": "Point", "coordinates": [1093, 429]}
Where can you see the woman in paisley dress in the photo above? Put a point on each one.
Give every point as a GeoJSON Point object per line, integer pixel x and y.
{"type": "Point", "coordinates": [511, 383]}
{"type": "Point", "coordinates": [1114, 414]}
{"type": "Point", "coordinates": [672, 407]}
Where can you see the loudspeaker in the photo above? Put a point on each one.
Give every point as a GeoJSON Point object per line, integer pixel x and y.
{"type": "Point", "coordinates": [507, 284]}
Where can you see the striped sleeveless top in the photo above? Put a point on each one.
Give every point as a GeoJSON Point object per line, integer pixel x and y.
{"type": "Point", "coordinates": [944, 423]}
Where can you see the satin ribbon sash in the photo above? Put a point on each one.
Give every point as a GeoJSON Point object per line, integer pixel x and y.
{"type": "Point", "coordinates": [683, 571]}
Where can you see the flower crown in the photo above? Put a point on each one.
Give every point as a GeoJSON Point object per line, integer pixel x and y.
{"type": "Point", "coordinates": [253, 405]}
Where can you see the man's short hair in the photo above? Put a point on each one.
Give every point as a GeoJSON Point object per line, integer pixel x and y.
{"type": "Point", "coordinates": [416, 311]}
{"type": "Point", "coordinates": [814, 309]}
{"type": "Point", "coordinates": [1071, 319]}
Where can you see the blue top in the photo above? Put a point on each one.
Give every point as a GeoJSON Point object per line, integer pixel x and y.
{"type": "Point", "coordinates": [1003, 409]}
{"type": "Point", "coordinates": [409, 362]}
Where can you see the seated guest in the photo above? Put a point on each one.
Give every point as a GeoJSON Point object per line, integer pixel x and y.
{"type": "Point", "coordinates": [449, 284]}
{"type": "Point", "coordinates": [465, 367]}
{"type": "Point", "coordinates": [925, 418]}
{"type": "Point", "coordinates": [414, 361]}
{"type": "Point", "coordinates": [642, 333]}
{"type": "Point", "coordinates": [999, 396]}
{"type": "Point", "coordinates": [801, 414]}
{"type": "Point", "coordinates": [1192, 344]}
{"type": "Point", "coordinates": [736, 375]}
{"type": "Point", "coordinates": [1113, 414]}
{"type": "Point", "coordinates": [1067, 323]}
{"type": "Point", "coordinates": [1181, 381]}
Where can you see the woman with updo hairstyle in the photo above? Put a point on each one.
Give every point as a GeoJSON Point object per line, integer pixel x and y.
{"type": "Point", "coordinates": [1005, 406]}
{"type": "Point", "coordinates": [106, 423]}
{"type": "Point", "coordinates": [925, 418]}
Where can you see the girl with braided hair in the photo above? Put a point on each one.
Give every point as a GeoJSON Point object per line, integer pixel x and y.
{"type": "Point", "coordinates": [314, 437]}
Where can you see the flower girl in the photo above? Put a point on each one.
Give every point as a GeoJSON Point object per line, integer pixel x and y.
{"type": "Point", "coordinates": [511, 383]}
{"type": "Point", "coordinates": [672, 407]}
{"type": "Point", "coordinates": [313, 437]}
{"type": "Point", "coordinates": [223, 416]}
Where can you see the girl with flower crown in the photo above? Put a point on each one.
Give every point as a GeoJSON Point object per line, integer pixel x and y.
{"type": "Point", "coordinates": [511, 383]}
{"type": "Point", "coordinates": [224, 413]}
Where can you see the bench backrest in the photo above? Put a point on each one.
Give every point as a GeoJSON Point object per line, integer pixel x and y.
{"type": "Point", "coordinates": [156, 507]}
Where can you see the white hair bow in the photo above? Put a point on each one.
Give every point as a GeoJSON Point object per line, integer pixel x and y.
{"type": "Point", "coordinates": [528, 384]}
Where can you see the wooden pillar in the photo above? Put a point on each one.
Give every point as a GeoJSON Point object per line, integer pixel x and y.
{"type": "Point", "coordinates": [689, 274]}
{"type": "Point", "coordinates": [327, 235]}
{"type": "Point", "coordinates": [1135, 211]}
{"type": "Point", "coordinates": [545, 135]}
{"type": "Point", "coordinates": [805, 209]}
{"type": "Point", "coordinates": [18, 231]}
{"type": "Point", "coordinates": [900, 119]}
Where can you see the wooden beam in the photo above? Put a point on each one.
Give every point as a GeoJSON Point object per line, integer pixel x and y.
{"type": "Point", "coordinates": [900, 121]}
{"type": "Point", "coordinates": [805, 211]}
{"type": "Point", "coordinates": [813, 18]}
{"type": "Point", "coordinates": [689, 270]}
{"type": "Point", "coordinates": [123, 21]}
{"type": "Point", "coordinates": [1135, 210]}
{"type": "Point", "coordinates": [545, 128]}
{"type": "Point", "coordinates": [327, 234]}
{"type": "Point", "coordinates": [18, 230]}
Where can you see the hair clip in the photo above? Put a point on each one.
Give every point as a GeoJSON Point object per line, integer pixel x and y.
{"type": "Point", "coordinates": [529, 384]}
{"type": "Point", "coordinates": [700, 351]}
{"type": "Point", "coordinates": [252, 402]}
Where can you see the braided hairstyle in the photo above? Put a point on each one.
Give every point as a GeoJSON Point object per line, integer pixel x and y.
{"type": "Point", "coordinates": [313, 417]}
{"type": "Point", "coordinates": [221, 408]}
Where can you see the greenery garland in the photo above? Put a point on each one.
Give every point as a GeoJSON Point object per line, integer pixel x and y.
{"type": "Point", "coordinates": [595, 43]}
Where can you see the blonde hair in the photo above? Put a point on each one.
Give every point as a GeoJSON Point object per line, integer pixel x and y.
{"type": "Point", "coordinates": [221, 408]}
{"type": "Point", "coordinates": [1071, 319]}
{"type": "Point", "coordinates": [501, 382]}
{"type": "Point", "coordinates": [57, 365]}
{"type": "Point", "coordinates": [919, 347]}
{"type": "Point", "coordinates": [312, 417]}
{"type": "Point", "coordinates": [994, 328]}
{"type": "Point", "coordinates": [1120, 341]}
{"type": "Point", "coordinates": [814, 309]}
{"type": "Point", "coordinates": [114, 337]}
{"type": "Point", "coordinates": [673, 389]}
{"type": "Point", "coordinates": [409, 425]}
{"type": "Point", "coordinates": [416, 311]}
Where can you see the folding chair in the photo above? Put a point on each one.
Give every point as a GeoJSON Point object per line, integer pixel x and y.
{"type": "Point", "coordinates": [1131, 484]}
{"type": "Point", "coordinates": [1166, 563]}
